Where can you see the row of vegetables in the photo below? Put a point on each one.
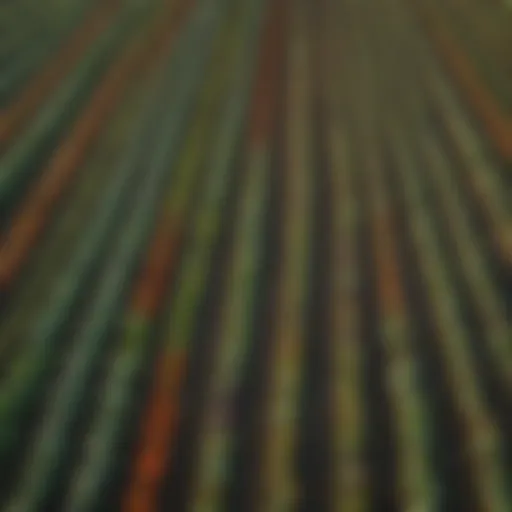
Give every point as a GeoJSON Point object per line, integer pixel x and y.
{"type": "Point", "coordinates": [482, 27]}
{"type": "Point", "coordinates": [483, 80]}
{"type": "Point", "coordinates": [168, 112]}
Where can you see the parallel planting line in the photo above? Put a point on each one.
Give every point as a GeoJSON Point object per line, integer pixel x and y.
{"type": "Point", "coordinates": [48, 454]}
{"type": "Point", "coordinates": [149, 291]}
{"type": "Point", "coordinates": [498, 126]}
{"type": "Point", "coordinates": [214, 465]}
{"type": "Point", "coordinates": [27, 373]}
{"type": "Point", "coordinates": [414, 479]}
{"type": "Point", "coordinates": [279, 486]}
{"type": "Point", "coordinates": [482, 438]}
{"type": "Point", "coordinates": [35, 211]}
{"type": "Point", "coordinates": [19, 110]}
{"type": "Point", "coordinates": [159, 425]}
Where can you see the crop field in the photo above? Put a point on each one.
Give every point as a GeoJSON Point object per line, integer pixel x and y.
{"type": "Point", "coordinates": [256, 256]}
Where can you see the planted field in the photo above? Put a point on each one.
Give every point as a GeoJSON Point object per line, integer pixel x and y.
{"type": "Point", "coordinates": [255, 255]}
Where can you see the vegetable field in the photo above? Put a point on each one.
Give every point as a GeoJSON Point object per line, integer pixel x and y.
{"type": "Point", "coordinates": [255, 255]}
